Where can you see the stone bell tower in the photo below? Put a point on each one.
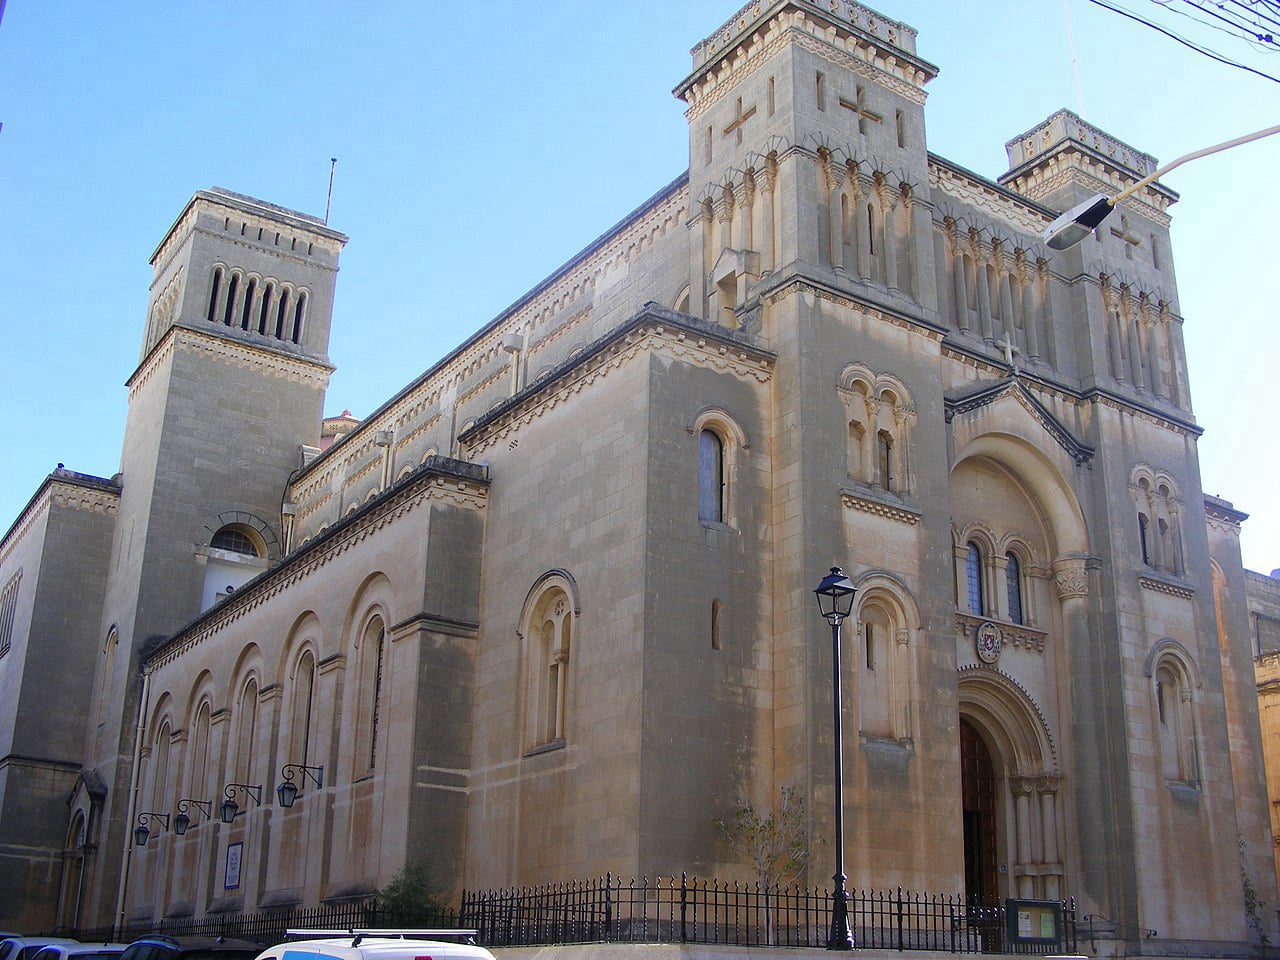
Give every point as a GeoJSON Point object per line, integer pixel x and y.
{"type": "Point", "coordinates": [806, 141]}
{"type": "Point", "coordinates": [228, 392]}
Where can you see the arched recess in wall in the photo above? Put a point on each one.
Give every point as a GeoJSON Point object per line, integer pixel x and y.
{"type": "Point", "coordinates": [367, 645]}
{"type": "Point", "coordinates": [548, 634]}
{"type": "Point", "coordinates": [1174, 682]}
{"type": "Point", "coordinates": [883, 662]}
{"type": "Point", "coordinates": [249, 720]}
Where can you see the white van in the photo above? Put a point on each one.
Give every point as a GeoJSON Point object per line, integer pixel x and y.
{"type": "Point", "coordinates": [377, 944]}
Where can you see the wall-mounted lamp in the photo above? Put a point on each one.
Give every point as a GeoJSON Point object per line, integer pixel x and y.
{"type": "Point", "coordinates": [288, 791]}
{"type": "Point", "coordinates": [181, 822]}
{"type": "Point", "coordinates": [141, 831]}
{"type": "Point", "coordinates": [228, 809]}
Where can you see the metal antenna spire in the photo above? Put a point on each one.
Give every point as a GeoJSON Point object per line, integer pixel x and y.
{"type": "Point", "coordinates": [1075, 59]}
{"type": "Point", "coordinates": [333, 162]}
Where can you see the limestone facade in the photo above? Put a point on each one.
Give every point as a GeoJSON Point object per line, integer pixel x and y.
{"type": "Point", "coordinates": [548, 610]}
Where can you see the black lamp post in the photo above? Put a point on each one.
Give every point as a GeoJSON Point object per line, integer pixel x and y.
{"type": "Point", "coordinates": [228, 809]}
{"type": "Point", "coordinates": [288, 791]}
{"type": "Point", "coordinates": [835, 600]}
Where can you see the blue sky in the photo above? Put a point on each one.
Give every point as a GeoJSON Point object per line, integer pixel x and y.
{"type": "Point", "coordinates": [479, 146]}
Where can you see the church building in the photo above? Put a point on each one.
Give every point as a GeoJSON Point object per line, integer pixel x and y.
{"type": "Point", "coordinates": [548, 611]}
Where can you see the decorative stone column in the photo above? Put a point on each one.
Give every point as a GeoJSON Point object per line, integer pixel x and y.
{"type": "Point", "coordinates": [889, 236]}
{"type": "Point", "coordinates": [959, 282]}
{"type": "Point", "coordinates": [835, 216]}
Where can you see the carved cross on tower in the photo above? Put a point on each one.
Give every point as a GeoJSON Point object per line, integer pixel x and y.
{"type": "Point", "coordinates": [859, 106]}
{"type": "Point", "coordinates": [1123, 233]}
{"type": "Point", "coordinates": [1009, 351]}
{"type": "Point", "coordinates": [739, 119]}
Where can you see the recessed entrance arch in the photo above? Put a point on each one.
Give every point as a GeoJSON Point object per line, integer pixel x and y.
{"type": "Point", "coordinates": [1010, 784]}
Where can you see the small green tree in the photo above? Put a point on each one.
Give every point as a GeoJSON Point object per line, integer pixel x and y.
{"type": "Point", "coordinates": [412, 898]}
{"type": "Point", "coordinates": [775, 841]}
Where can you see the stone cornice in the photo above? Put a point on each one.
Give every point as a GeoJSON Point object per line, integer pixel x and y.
{"type": "Point", "coordinates": [439, 480]}
{"type": "Point", "coordinates": [259, 212]}
{"type": "Point", "coordinates": [792, 283]}
{"type": "Point", "coordinates": [260, 359]}
{"type": "Point", "coordinates": [990, 198]}
{"type": "Point", "coordinates": [1157, 583]}
{"type": "Point", "coordinates": [1019, 636]}
{"type": "Point", "coordinates": [1221, 511]}
{"type": "Point", "coordinates": [879, 508]}
{"type": "Point", "coordinates": [1069, 163]}
{"type": "Point", "coordinates": [846, 33]}
{"type": "Point", "coordinates": [439, 387]}
{"type": "Point", "coordinates": [654, 329]}
{"type": "Point", "coordinates": [988, 393]}
{"type": "Point", "coordinates": [67, 489]}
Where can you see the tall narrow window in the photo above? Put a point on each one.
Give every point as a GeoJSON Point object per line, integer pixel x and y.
{"type": "Point", "coordinates": [214, 290]}
{"type": "Point", "coordinates": [869, 632]}
{"type": "Point", "coordinates": [710, 477]}
{"type": "Point", "coordinates": [821, 84]}
{"type": "Point", "coordinates": [247, 734]}
{"type": "Point", "coordinates": [1013, 581]}
{"type": "Point", "coordinates": [265, 312]}
{"type": "Point", "coordinates": [247, 312]}
{"type": "Point", "coordinates": [231, 300]}
{"type": "Point", "coordinates": [884, 447]}
{"type": "Point", "coordinates": [1144, 538]}
{"type": "Point", "coordinates": [200, 753]}
{"type": "Point", "coordinates": [107, 669]}
{"type": "Point", "coordinates": [973, 575]}
{"type": "Point", "coordinates": [304, 686]}
{"type": "Point", "coordinates": [281, 313]}
{"type": "Point", "coordinates": [297, 318]}
{"type": "Point", "coordinates": [376, 636]}
{"type": "Point", "coordinates": [715, 624]}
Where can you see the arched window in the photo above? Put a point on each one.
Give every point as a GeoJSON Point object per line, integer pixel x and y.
{"type": "Point", "coordinates": [199, 780]}
{"type": "Point", "coordinates": [1144, 534]}
{"type": "Point", "coordinates": [884, 451]}
{"type": "Point", "coordinates": [214, 289]}
{"type": "Point", "coordinates": [265, 310]}
{"type": "Point", "coordinates": [973, 577]}
{"type": "Point", "coordinates": [246, 745]}
{"type": "Point", "coordinates": [370, 703]}
{"type": "Point", "coordinates": [235, 540]}
{"type": "Point", "coordinates": [298, 312]}
{"type": "Point", "coordinates": [160, 768]}
{"type": "Point", "coordinates": [1013, 584]}
{"type": "Point", "coordinates": [304, 689]}
{"type": "Point", "coordinates": [879, 413]}
{"type": "Point", "coordinates": [710, 477]}
{"type": "Point", "coordinates": [106, 673]}
{"type": "Point", "coordinates": [281, 312]}
{"type": "Point", "coordinates": [231, 300]}
{"type": "Point", "coordinates": [247, 312]}
{"type": "Point", "coordinates": [548, 633]}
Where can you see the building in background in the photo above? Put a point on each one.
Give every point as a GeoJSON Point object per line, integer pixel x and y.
{"type": "Point", "coordinates": [548, 610]}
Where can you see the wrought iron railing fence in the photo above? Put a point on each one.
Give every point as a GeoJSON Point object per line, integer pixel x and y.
{"type": "Point", "coordinates": [659, 910]}
{"type": "Point", "coordinates": [685, 910]}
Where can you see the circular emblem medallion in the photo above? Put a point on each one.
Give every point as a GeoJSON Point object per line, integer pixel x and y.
{"type": "Point", "coordinates": [988, 641]}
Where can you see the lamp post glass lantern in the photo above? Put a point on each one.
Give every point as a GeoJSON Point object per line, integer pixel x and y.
{"type": "Point", "coordinates": [287, 792]}
{"type": "Point", "coordinates": [228, 809]}
{"type": "Point", "coordinates": [835, 601]}
{"type": "Point", "coordinates": [181, 820]}
{"type": "Point", "coordinates": [141, 832]}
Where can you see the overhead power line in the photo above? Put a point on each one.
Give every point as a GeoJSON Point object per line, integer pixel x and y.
{"type": "Point", "coordinates": [1190, 44]}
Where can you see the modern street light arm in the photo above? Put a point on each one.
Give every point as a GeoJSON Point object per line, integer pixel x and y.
{"type": "Point", "coordinates": [1082, 219]}
{"type": "Point", "coordinates": [1145, 181]}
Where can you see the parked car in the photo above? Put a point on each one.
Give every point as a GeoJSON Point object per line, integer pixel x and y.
{"type": "Point", "coordinates": [24, 948]}
{"type": "Point", "coordinates": [190, 948]}
{"type": "Point", "coordinates": [80, 951]}
{"type": "Point", "coordinates": [378, 944]}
